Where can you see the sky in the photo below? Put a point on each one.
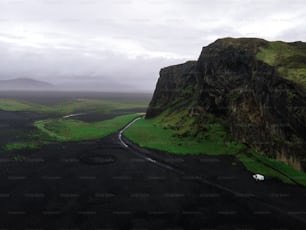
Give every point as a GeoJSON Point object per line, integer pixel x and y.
{"type": "Point", "coordinates": [114, 45]}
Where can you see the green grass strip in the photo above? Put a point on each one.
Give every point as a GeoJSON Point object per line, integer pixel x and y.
{"type": "Point", "coordinates": [149, 133]}
{"type": "Point", "coordinates": [76, 130]}
{"type": "Point", "coordinates": [21, 145]}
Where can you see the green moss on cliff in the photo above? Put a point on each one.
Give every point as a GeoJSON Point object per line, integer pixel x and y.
{"type": "Point", "coordinates": [288, 58]}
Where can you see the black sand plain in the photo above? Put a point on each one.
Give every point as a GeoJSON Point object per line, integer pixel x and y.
{"type": "Point", "coordinates": [103, 185]}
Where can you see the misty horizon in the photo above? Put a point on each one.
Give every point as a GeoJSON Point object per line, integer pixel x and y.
{"type": "Point", "coordinates": [122, 45]}
{"type": "Point", "coordinates": [31, 84]}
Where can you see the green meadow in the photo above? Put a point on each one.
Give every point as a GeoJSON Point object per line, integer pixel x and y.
{"type": "Point", "coordinates": [76, 130]}
{"type": "Point", "coordinates": [162, 134]}
{"type": "Point", "coordinates": [57, 128]}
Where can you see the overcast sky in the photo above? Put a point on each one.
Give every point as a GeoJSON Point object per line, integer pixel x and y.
{"type": "Point", "coordinates": [117, 44]}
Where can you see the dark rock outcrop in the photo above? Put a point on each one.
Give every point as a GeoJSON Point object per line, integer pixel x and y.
{"type": "Point", "coordinates": [259, 105]}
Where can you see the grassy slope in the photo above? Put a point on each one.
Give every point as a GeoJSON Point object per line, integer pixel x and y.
{"type": "Point", "coordinates": [165, 133]}
{"type": "Point", "coordinates": [75, 130]}
{"type": "Point", "coordinates": [149, 133]}
{"type": "Point", "coordinates": [288, 58]}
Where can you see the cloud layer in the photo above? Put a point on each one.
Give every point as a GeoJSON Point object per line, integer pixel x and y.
{"type": "Point", "coordinates": [125, 42]}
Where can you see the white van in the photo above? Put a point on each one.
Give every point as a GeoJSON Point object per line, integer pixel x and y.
{"type": "Point", "coordinates": [258, 177]}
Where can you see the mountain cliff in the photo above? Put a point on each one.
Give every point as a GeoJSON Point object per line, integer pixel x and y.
{"type": "Point", "coordinates": [255, 88]}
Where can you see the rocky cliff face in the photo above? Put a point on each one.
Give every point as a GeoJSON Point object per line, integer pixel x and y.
{"type": "Point", "coordinates": [233, 80]}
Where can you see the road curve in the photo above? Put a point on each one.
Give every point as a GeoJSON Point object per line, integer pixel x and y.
{"type": "Point", "coordinates": [123, 143]}
{"type": "Point", "coordinates": [73, 115]}
{"type": "Point", "coordinates": [125, 128]}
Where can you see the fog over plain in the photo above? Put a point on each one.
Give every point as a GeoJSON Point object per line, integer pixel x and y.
{"type": "Point", "coordinates": [122, 44]}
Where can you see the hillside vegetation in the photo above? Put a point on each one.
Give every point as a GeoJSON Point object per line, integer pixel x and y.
{"type": "Point", "coordinates": [172, 136]}
{"type": "Point", "coordinates": [288, 58]}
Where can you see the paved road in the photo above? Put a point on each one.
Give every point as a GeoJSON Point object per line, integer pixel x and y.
{"type": "Point", "coordinates": [106, 185]}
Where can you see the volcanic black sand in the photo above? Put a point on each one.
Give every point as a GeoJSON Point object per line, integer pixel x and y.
{"type": "Point", "coordinates": [16, 126]}
{"type": "Point", "coordinates": [104, 185]}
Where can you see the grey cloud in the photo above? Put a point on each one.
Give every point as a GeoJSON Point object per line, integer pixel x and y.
{"type": "Point", "coordinates": [126, 42]}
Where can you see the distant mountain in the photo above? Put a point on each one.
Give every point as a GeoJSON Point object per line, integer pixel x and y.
{"type": "Point", "coordinates": [25, 84]}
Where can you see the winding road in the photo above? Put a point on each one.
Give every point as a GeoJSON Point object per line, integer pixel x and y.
{"type": "Point", "coordinates": [124, 129]}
